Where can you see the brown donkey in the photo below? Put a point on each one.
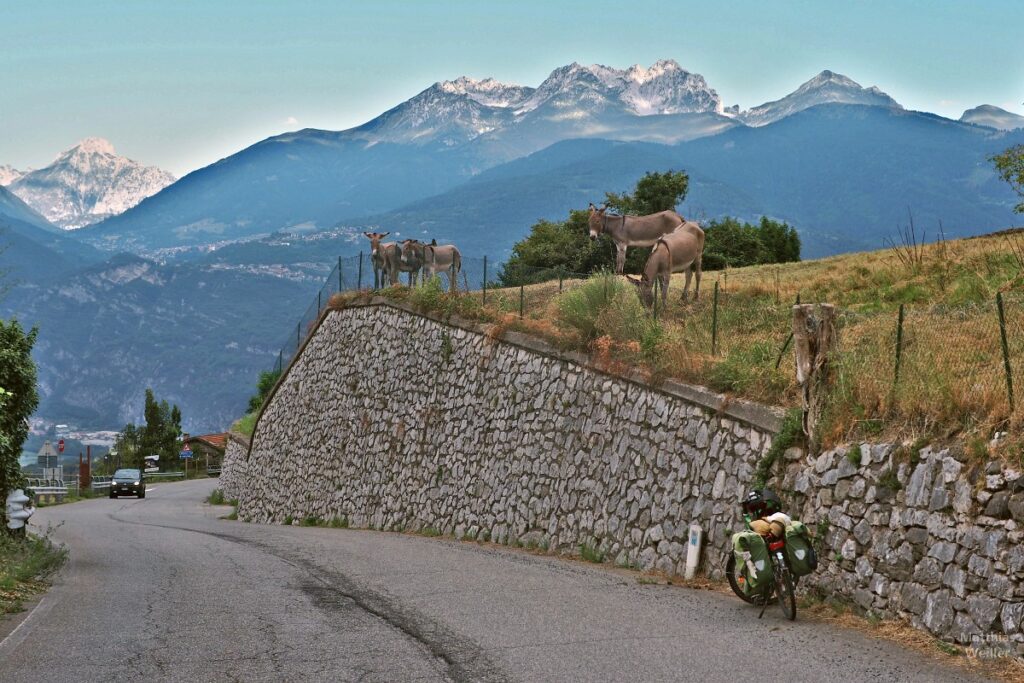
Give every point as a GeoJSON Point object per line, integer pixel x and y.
{"type": "Point", "coordinates": [384, 257]}
{"type": "Point", "coordinates": [677, 251]}
{"type": "Point", "coordinates": [631, 231]}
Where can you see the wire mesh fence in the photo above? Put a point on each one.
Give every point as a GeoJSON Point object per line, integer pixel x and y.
{"type": "Point", "coordinates": [942, 363]}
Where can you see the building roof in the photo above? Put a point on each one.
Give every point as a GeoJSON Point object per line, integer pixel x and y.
{"type": "Point", "coordinates": [218, 441]}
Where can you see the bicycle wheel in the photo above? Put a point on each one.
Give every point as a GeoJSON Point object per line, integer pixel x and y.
{"type": "Point", "coordinates": [784, 591]}
{"type": "Point", "coordinates": [730, 573]}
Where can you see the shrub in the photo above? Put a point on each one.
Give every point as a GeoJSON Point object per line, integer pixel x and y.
{"type": "Point", "coordinates": [580, 307]}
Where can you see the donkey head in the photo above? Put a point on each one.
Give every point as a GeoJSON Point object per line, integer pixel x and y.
{"type": "Point", "coordinates": [644, 289]}
{"type": "Point", "coordinates": [412, 251]}
{"type": "Point", "coordinates": [375, 238]}
{"type": "Point", "coordinates": [596, 221]}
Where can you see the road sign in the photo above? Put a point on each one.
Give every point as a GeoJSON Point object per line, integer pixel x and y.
{"type": "Point", "coordinates": [60, 445]}
{"type": "Point", "coordinates": [186, 452]}
{"type": "Point", "coordinates": [47, 456]}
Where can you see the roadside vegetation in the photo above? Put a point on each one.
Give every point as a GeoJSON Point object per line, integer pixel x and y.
{"type": "Point", "coordinates": [25, 564]}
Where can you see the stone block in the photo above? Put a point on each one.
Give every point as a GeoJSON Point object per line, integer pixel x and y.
{"type": "Point", "coordinates": [938, 613]}
{"type": "Point", "coordinates": [999, 505]}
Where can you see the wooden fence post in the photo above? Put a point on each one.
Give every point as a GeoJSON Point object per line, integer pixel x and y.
{"type": "Point", "coordinates": [1006, 349]}
{"type": "Point", "coordinates": [814, 336]}
{"type": "Point", "coordinates": [485, 282]}
{"type": "Point", "coordinates": [899, 348]}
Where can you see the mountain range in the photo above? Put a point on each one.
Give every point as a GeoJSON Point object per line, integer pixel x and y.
{"type": "Point", "coordinates": [223, 261]}
{"type": "Point", "coordinates": [85, 184]}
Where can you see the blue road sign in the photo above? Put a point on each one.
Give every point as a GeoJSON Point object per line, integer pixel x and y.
{"type": "Point", "coordinates": [185, 454]}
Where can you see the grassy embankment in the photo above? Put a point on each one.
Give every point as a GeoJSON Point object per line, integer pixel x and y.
{"type": "Point", "coordinates": [25, 563]}
{"type": "Point", "coordinates": [952, 381]}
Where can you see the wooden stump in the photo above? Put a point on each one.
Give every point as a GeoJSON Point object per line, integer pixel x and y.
{"type": "Point", "coordinates": [814, 336]}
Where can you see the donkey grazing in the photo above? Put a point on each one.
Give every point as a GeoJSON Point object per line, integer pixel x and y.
{"type": "Point", "coordinates": [442, 258]}
{"type": "Point", "coordinates": [384, 257]}
{"type": "Point", "coordinates": [679, 250]}
{"type": "Point", "coordinates": [631, 231]}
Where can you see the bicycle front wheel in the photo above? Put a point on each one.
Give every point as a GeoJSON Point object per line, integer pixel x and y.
{"type": "Point", "coordinates": [784, 591]}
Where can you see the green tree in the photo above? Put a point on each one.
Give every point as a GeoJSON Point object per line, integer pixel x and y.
{"type": "Point", "coordinates": [160, 434]}
{"type": "Point", "coordinates": [653, 193]}
{"type": "Point", "coordinates": [1010, 166]}
{"type": "Point", "coordinates": [19, 399]}
{"type": "Point", "coordinates": [565, 247]}
{"type": "Point", "coordinates": [731, 243]}
{"type": "Point", "coordinates": [264, 384]}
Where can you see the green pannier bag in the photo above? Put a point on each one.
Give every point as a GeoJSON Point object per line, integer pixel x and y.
{"type": "Point", "coordinates": [750, 542]}
{"type": "Point", "coordinates": [799, 552]}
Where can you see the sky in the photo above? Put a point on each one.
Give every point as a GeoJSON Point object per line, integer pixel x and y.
{"type": "Point", "coordinates": [182, 84]}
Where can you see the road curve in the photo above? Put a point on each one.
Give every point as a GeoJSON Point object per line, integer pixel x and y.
{"type": "Point", "coordinates": [163, 589]}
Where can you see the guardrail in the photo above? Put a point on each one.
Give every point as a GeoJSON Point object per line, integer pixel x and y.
{"type": "Point", "coordinates": [164, 475]}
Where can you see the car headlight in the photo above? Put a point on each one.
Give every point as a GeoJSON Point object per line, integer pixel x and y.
{"type": "Point", "coordinates": [135, 484]}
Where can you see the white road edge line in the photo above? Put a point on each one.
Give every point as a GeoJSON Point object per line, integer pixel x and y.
{"type": "Point", "coordinates": [41, 608]}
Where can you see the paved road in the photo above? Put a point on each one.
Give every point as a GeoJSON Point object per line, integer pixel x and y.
{"type": "Point", "coordinates": [163, 589]}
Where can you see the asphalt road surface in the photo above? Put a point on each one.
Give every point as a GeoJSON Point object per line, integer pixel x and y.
{"type": "Point", "coordinates": [163, 589]}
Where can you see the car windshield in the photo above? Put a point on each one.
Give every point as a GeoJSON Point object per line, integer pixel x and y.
{"type": "Point", "coordinates": [127, 474]}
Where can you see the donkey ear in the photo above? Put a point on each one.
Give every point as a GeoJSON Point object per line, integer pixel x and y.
{"type": "Point", "coordinates": [368, 235]}
{"type": "Point", "coordinates": [592, 207]}
{"type": "Point", "coordinates": [635, 280]}
{"type": "Point", "coordinates": [384, 234]}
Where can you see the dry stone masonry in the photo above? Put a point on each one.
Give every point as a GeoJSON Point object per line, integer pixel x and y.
{"type": "Point", "coordinates": [393, 420]}
{"type": "Point", "coordinates": [918, 534]}
{"type": "Point", "coordinates": [233, 469]}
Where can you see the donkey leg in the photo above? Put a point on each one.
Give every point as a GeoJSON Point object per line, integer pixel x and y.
{"type": "Point", "coordinates": [696, 289]}
{"type": "Point", "coordinates": [686, 285]}
{"type": "Point", "coordinates": [620, 258]}
{"type": "Point", "coordinates": [665, 279]}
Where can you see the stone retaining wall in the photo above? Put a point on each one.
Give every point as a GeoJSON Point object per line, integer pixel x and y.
{"type": "Point", "coordinates": [395, 420]}
{"type": "Point", "coordinates": [917, 534]}
{"type": "Point", "coordinates": [390, 419]}
{"type": "Point", "coordinates": [233, 468]}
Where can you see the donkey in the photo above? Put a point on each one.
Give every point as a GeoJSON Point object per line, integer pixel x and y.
{"type": "Point", "coordinates": [411, 259]}
{"type": "Point", "coordinates": [679, 250]}
{"type": "Point", "coordinates": [443, 258]}
{"type": "Point", "coordinates": [631, 231]}
{"type": "Point", "coordinates": [384, 257]}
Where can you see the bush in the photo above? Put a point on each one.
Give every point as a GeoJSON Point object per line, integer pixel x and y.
{"type": "Point", "coordinates": [581, 307]}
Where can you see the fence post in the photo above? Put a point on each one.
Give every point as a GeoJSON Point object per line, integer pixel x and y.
{"type": "Point", "coordinates": [561, 276]}
{"type": "Point", "coordinates": [485, 281]}
{"type": "Point", "coordinates": [654, 307]}
{"type": "Point", "coordinates": [319, 301]}
{"type": "Point", "coordinates": [453, 286]}
{"type": "Point", "coordinates": [899, 348]}
{"type": "Point", "coordinates": [521, 289]}
{"type": "Point", "coordinates": [340, 282]}
{"type": "Point", "coordinates": [359, 282]}
{"type": "Point", "coordinates": [814, 336]}
{"type": "Point", "coordinates": [714, 322]}
{"type": "Point", "coordinates": [1006, 349]}
{"type": "Point", "coordinates": [280, 361]}
{"type": "Point", "coordinates": [298, 336]}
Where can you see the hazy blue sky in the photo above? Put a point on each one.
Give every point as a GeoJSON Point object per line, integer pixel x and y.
{"type": "Point", "coordinates": [181, 84]}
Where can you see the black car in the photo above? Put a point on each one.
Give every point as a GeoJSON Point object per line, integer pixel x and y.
{"type": "Point", "coordinates": [128, 482]}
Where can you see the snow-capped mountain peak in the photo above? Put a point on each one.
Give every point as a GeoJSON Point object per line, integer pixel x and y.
{"type": "Point", "coordinates": [8, 174]}
{"type": "Point", "coordinates": [987, 115]}
{"type": "Point", "coordinates": [488, 92]}
{"type": "Point", "coordinates": [88, 183]}
{"type": "Point", "coordinates": [826, 87]}
{"type": "Point", "coordinates": [663, 88]}
{"type": "Point", "coordinates": [90, 146]}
